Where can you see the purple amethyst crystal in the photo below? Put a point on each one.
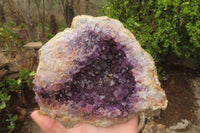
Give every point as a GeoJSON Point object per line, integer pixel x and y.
{"type": "Point", "coordinates": [96, 72]}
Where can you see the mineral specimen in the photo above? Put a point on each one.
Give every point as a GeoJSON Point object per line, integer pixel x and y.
{"type": "Point", "coordinates": [96, 72]}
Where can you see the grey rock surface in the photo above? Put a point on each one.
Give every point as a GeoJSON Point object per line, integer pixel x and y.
{"type": "Point", "coordinates": [33, 45]}
{"type": "Point", "coordinates": [13, 66]}
{"type": "Point", "coordinates": [3, 72]}
{"type": "Point", "coordinates": [3, 60]}
{"type": "Point", "coordinates": [183, 126]}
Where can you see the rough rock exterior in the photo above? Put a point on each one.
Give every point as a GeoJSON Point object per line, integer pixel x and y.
{"type": "Point", "coordinates": [3, 64]}
{"type": "Point", "coordinates": [33, 45]}
{"type": "Point", "coordinates": [96, 72]}
{"type": "Point", "coordinates": [3, 60]}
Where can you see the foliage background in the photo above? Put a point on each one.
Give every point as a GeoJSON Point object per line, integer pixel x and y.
{"type": "Point", "coordinates": [163, 27]}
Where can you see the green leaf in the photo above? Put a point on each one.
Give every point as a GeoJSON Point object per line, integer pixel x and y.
{"type": "Point", "coordinates": [1, 84]}
{"type": "Point", "coordinates": [2, 105]}
{"type": "Point", "coordinates": [32, 74]}
{"type": "Point", "coordinates": [19, 81]}
{"type": "Point", "coordinates": [7, 98]}
{"type": "Point", "coordinates": [15, 118]}
{"type": "Point", "coordinates": [11, 126]}
{"type": "Point", "coordinates": [10, 116]}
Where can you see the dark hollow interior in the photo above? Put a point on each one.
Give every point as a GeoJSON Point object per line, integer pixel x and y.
{"type": "Point", "coordinates": [105, 81]}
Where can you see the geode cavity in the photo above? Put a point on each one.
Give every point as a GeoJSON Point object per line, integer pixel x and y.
{"type": "Point", "coordinates": [96, 72]}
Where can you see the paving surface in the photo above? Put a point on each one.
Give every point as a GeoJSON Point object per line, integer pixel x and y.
{"type": "Point", "coordinates": [183, 126]}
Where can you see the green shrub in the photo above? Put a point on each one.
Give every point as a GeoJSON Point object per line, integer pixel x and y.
{"type": "Point", "coordinates": [12, 84]}
{"type": "Point", "coordinates": [61, 27]}
{"type": "Point", "coordinates": [27, 76]}
{"type": "Point", "coordinates": [15, 85]}
{"type": "Point", "coordinates": [46, 27]}
{"type": "Point", "coordinates": [163, 27]}
{"type": "Point", "coordinates": [10, 24]}
{"type": "Point", "coordinates": [4, 97]}
{"type": "Point", "coordinates": [7, 34]}
{"type": "Point", "coordinates": [23, 26]}
{"type": "Point", "coordinates": [12, 120]}
{"type": "Point", "coordinates": [49, 36]}
{"type": "Point", "coordinates": [9, 40]}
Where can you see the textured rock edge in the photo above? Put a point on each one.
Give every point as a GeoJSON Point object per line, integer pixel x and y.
{"type": "Point", "coordinates": [144, 76]}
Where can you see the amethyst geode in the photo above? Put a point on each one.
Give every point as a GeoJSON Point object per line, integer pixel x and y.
{"type": "Point", "coordinates": [96, 72]}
